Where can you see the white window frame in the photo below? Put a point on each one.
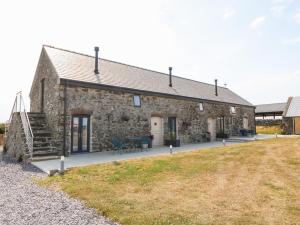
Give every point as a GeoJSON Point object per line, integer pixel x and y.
{"type": "Point", "coordinates": [137, 102]}
{"type": "Point", "coordinates": [232, 109]}
{"type": "Point", "coordinates": [201, 107]}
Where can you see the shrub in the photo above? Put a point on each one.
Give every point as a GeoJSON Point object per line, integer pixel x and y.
{"type": "Point", "coordinates": [2, 128]}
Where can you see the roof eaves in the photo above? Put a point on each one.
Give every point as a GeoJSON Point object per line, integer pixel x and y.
{"type": "Point", "coordinates": [103, 86]}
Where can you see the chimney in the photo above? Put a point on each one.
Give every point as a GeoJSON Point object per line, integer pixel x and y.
{"type": "Point", "coordinates": [96, 60]}
{"type": "Point", "coordinates": [170, 76]}
{"type": "Point", "coordinates": [216, 87]}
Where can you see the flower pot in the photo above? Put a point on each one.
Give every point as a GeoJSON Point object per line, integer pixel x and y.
{"type": "Point", "coordinates": [174, 143]}
{"type": "Point", "coordinates": [144, 146]}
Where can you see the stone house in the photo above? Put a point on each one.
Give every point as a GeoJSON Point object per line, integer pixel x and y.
{"type": "Point", "coordinates": [86, 101]}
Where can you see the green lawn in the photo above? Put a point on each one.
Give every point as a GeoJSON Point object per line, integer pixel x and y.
{"type": "Point", "coordinates": [251, 183]}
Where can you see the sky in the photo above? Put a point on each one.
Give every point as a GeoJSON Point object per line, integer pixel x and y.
{"type": "Point", "coordinates": [253, 46]}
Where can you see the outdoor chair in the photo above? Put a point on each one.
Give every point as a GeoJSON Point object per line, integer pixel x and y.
{"type": "Point", "coordinates": [118, 144]}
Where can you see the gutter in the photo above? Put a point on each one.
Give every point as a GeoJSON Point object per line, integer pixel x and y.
{"type": "Point", "coordinates": [65, 119]}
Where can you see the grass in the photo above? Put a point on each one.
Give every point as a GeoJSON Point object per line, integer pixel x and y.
{"type": "Point", "coordinates": [269, 129]}
{"type": "Point", "coordinates": [251, 183]}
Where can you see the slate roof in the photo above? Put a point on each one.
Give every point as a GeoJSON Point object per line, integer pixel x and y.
{"type": "Point", "coordinates": [79, 67]}
{"type": "Point", "coordinates": [294, 107]}
{"type": "Point", "coordinates": [270, 108]}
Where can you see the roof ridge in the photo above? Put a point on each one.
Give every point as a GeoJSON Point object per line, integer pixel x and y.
{"type": "Point", "coordinates": [74, 52]}
{"type": "Point", "coordinates": [272, 103]}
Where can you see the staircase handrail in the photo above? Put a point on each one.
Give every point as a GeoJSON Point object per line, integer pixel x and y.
{"type": "Point", "coordinates": [19, 101]}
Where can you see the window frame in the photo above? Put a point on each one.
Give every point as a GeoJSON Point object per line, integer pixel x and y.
{"type": "Point", "coordinates": [140, 101]}
{"type": "Point", "coordinates": [201, 106]}
{"type": "Point", "coordinates": [232, 109]}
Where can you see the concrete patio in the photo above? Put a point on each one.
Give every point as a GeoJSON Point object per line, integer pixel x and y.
{"type": "Point", "coordinates": [109, 156]}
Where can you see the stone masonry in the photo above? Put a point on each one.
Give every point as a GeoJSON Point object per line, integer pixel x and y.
{"type": "Point", "coordinates": [113, 114]}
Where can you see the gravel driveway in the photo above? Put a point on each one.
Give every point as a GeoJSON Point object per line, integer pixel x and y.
{"type": "Point", "coordinates": [23, 202]}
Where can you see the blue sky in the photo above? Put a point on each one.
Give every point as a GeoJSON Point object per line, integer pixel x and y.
{"type": "Point", "coordinates": [253, 46]}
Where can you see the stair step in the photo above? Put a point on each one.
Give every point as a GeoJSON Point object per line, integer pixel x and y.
{"type": "Point", "coordinates": [44, 158]}
{"type": "Point", "coordinates": [38, 144]}
{"type": "Point", "coordinates": [41, 139]}
{"type": "Point", "coordinates": [36, 114]}
{"type": "Point", "coordinates": [43, 148]}
{"type": "Point", "coordinates": [44, 153]}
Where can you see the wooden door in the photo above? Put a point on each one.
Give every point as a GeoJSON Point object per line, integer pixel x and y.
{"type": "Point", "coordinates": [211, 123]}
{"type": "Point", "coordinates": [297, 125]}
{"type": "Point", "coordinates": [157, 131]}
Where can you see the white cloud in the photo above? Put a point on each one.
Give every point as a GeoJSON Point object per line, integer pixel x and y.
{"type": "Point", "coordinates": [297, 17]}
{"type": "Point", "coordinates": [257, 22]}
{"type": "Point", "coordinates": [291, 41]}
{"type": "Point", "coordinates": [228, 12]}
{"type": "Point", "coordinates": [279, 6]}
{"type": "Point", "coordinates": [277, 10]}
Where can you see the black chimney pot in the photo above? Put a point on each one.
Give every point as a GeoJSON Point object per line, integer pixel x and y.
{"type": "Point", "coordinates": [96, 60]}
{"type": "Point", "coordinates": [216, 87]}
{"type": "Point", "coordinates": [170, 77]}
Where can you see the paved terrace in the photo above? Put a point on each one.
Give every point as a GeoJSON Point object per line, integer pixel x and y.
{"type": "Point", "coordinates": [109, 156]}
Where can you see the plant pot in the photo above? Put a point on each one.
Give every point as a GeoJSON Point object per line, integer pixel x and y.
{"type": "Point", "coordinates": [174, 143]}
{"type": "Point", "coordinates": [144, 146]}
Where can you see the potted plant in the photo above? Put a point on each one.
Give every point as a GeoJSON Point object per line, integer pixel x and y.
{"type": "Point", "coordinates": [172, 140]}
{"type": "Point", "coordinates": [222, 135]}
{"type": "Point", "coordinates": [151, 139]}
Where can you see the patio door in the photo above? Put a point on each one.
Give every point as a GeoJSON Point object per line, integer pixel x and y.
{"type": "Point", "coordinates": [80, 134]}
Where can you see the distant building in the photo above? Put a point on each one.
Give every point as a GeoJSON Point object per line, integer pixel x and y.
{"type": "Point", "coordinates": [288, 113]}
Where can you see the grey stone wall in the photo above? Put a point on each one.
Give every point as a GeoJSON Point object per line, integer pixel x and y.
{"type": "Point", "coordinates": [109, 108]}
{"type": "Point", "coordinates": [15, 141]}
{"type": "Point", "coordinates": [52, 100]}
{"type": "Point", "coordinates": [288, 125]}
{"type": "Point", "coordinates": [268, 122]}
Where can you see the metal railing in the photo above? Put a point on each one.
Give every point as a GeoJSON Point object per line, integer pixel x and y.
{"type": "Point", "coordinates": [19, 106]}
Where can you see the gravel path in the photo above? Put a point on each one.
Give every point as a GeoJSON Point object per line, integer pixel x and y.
{"type": "Point", "coordinates": [22, 202]}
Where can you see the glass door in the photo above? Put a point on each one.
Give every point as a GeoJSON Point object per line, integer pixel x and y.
{"type": "Point", "coordinates": [80, 134]}
{"type": "Point", "coordinates": [172, 127]}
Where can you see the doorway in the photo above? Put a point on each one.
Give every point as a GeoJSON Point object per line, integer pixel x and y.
{"type": "Point", "coordinates": [211, 123]}
{"type": "Point", "coordinates": [80, 134]}
{"type": "Point", "coordinates": [157, 131]}
{"type": "Point", "coordinates": [297, 125]}
{"type": "Point", "coordinates": [245, 123]}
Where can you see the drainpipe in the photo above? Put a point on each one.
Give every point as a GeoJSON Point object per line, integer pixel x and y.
{"type": "Point", "coordinates": [254, 121]}
{"type": "Point", "coordinates": [65, 119]}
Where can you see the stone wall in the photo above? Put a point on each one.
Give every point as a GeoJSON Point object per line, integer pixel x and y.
{"type": "Point", "coordinates": [109, 108]}
{"type": "Point", "coordinates": [15, 141]}
{"type": "Point", "coordinates": [52, 100]}
{"type": "Point", "coordinates": [269, 122]}
{"type": "Point", "coordinates": [288, 125]}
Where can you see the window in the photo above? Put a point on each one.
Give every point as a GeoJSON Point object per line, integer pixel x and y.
{"type": "Point", "coordinates": [232, 110]}
{"type": "Point", "coordinates": [201, 106]}
{"type": "Point", "coordinates": [137, 100]}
